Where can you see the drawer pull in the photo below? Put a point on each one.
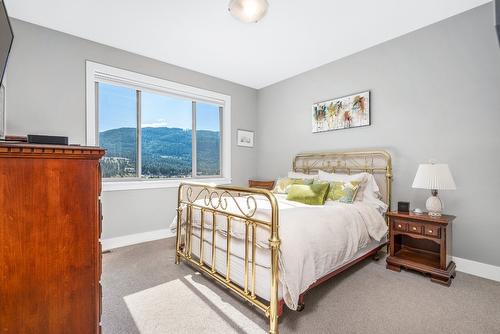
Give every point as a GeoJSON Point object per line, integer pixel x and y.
{"type": "Point", "coordinates": [430, 231]}
{"type": "Point", "coordinates": [414, 228]}
{"type": "Point", "coordinates": [399, 225]}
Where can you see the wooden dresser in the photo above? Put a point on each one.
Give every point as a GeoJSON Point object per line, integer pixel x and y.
{"type": "Point", "coordinates": [50, 225]}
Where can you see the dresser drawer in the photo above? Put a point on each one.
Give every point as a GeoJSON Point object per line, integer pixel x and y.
{"type": "Point", "coordinates": [415, 228]}
{"type": "Point", "coordinates": [100, 219]}
{"type": "Point", "coordinates": [399, 225]}
{"type": "Point", "coordinates": [432, 231]}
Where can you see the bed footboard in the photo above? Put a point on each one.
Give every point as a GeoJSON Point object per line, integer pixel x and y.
{"type": "Point", "coordinates": [237, 206]}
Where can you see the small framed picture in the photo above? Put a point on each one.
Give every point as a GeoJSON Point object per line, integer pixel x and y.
{"type": "Point", "coordinates": [245, 138]}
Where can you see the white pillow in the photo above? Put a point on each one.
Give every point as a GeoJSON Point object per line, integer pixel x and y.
{"type": "Point", "coordinates": [324, 176]}
{"type": "Point", "coordinates": [369, 186]}
{"type": "Point", "coordinates": [372, 196]}
{"type": "Point", "coordinates": [296, 175]}
{"type": "Point", "coordinates": [372, 186]}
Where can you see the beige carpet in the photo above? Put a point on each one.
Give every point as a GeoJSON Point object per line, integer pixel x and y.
{"type": "Point", "coordinates": [145, 292]}
{"type": "Point", "coordinates": [149, 307]}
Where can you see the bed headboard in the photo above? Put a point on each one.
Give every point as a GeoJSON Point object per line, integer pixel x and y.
{"type": "Point", "coordinates": [377, 163]}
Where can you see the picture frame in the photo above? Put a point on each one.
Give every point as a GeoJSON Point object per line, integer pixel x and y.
{"type": "Point", "coordinates": [245, 138]}
{"type": "Point", "coordinates": [350, 111]}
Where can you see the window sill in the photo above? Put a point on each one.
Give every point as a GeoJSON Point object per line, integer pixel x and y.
{"type": "Point", "coordinates": [156, 184]}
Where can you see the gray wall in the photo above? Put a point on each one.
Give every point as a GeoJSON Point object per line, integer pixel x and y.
{"type": "Point", "coordinates": [46, 95]}
{"type": "Point", "coordinates": [435, 93]}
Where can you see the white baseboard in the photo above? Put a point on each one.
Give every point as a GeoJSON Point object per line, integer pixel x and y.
{"type": "Point", "coordinates": [137, 238]}
{"type": "Point", "coordinates": [477, 268]}
{"type": "Point", "coordinates": [467, 266]}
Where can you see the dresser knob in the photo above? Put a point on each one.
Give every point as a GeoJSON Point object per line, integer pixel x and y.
{"type": "Point", "coordinates": [399, 225]}
{"type": "Point", "coordinates": [430, 231]}
{"type": "Point", "coordinates": [414, 228]}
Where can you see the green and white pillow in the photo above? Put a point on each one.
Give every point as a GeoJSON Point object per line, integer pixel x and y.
{"type": "Point", "coordinates": [344, 192]}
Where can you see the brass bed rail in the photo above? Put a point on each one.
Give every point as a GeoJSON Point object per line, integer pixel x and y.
{"type": "Point", "coordinates": [214, 201]}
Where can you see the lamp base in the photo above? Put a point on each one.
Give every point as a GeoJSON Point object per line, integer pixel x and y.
{"type": "Point", "coordinates": [434, 205]}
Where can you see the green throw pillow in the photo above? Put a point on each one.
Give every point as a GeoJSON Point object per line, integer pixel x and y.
{"type": "Point", "coordinates": [283, 184]}
{"type": "Point", "coordinates": [344, 192]}
{"type": "Point", "coordinates": [313, 194]}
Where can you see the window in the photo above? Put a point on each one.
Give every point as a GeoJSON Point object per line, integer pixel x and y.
{"type": "Point", "coordinates": [118, 130]}
{"type": "Point", "coordinates": [166, 136]}
{"type": "Point", "coordinates": [163, 145]}
{"type": "Point", "coordinates": [207, 139]}
{"type": "Point", "coordinates": [152, 131]}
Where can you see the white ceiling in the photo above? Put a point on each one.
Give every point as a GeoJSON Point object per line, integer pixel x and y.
{"type": "Point", "coordinates": [293, 37]}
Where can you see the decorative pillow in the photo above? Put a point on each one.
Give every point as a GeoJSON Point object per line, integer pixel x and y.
{"type": "Point", "coordinates": [297, 175]}
{"type": "Point", "coordinates": [344, 192]}
{"type": "Point", "coordinates": [371, 188]}
{"type": "Point", "coordinates": [313, 194]}
{"type": "Point", "coordinates": [362, 178]}
{"type": "Point", "coordinates": [283, 184]}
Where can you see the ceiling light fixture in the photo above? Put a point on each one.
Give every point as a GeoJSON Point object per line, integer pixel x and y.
{"type": "Point", "coordinates": [248, 11]}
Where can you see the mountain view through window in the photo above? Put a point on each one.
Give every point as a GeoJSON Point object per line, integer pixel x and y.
{"type": "Point", "coordinates": [165, 148]}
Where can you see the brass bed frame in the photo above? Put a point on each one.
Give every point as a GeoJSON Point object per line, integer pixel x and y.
{"type": "Point", "coordinates": [214, 200]}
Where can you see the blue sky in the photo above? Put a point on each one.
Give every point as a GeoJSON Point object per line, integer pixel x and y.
{"type": "Point", "coordinates": [117, 110]}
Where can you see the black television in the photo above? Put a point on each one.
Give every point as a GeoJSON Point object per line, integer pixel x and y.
{"type": "Point", "coordinates": [6, 38]}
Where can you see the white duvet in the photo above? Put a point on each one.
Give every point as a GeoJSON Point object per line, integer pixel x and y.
{"type": "Point", "coordinates": [314, 239]}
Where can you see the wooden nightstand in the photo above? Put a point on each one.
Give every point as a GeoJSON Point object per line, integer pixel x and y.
{"type": "Point", "coordinates": [269, 185]}
{"type": "Point", "coordinates": [422, 243]}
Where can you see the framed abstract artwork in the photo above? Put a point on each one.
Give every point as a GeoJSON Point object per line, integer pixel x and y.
{"type": "Point", "coordinates": [245, 138]}
{"type": "Point", "coordinates": [342, 113]}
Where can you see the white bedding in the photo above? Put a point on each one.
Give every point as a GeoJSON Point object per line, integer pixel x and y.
{"type": "Point", "coordinates": [263, 274]}
{"type": "Point", "coordinates": [314, 239]}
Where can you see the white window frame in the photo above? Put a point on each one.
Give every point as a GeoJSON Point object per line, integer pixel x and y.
{"type": "Point", "coordinates": [96, 72]}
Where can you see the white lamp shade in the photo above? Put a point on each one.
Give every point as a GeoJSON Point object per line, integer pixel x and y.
{"type": "Point", "coordinates": [434, 176]}
{"type": "Point", "coordinates": [248, 10]}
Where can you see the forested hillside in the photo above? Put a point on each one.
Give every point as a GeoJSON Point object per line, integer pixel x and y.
{"type": "Point", "coordinates": [166, 152]}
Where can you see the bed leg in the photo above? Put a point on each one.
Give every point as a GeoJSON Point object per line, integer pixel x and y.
{"type": "Point", "coordinates": [177, 256]}
{"type": "Point", "coordinates": [273, 324]}
{"type": "Point", "coordinates": [274, 313]}
{"type": "Point", "coordinates": [281, 305]}
{"type": "Point", "coordinates": [301, 305]}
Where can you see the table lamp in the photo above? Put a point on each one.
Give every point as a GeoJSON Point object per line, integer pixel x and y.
{"type": "Point", "coordinates": [434, 177]}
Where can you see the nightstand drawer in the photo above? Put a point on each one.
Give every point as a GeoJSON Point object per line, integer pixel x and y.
{"type": "Point", "coordinates": [432, 231]}
{"type": "Point", "coordinates": [400, 225]}
{"type": "Point", "coordinates": [415, 228]}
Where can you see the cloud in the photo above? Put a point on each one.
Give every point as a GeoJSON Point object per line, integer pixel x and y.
{"type": "Point", "coordinates": [156, 125]}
